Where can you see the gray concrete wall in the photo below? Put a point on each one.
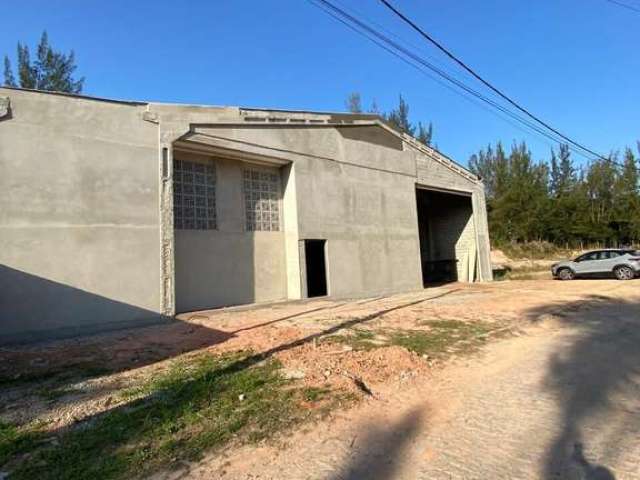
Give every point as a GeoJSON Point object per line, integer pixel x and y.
{"type": "Point", "coordinates": [368, 218]}
{"type": "Point", "coordinates": [79, 239]}
{"type": "Point", "coordinates": [86, 230]}
{"type": "Point", "coordinates": [228, 265]}
{"type": "Point", "coordinates": [356, 189]}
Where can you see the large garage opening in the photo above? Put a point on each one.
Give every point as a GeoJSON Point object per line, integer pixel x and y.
{"type": "Point", "coordinates": [447, 237]}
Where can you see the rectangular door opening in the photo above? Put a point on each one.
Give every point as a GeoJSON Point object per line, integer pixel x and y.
{"type": "Point", "coordinates": [315, 268]}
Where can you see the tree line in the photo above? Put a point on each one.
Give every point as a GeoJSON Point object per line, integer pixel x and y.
{"type": "Point", "coordinates": [558, 201]}
{"type": "Point", "coordinates": [398, 117]}
{"type": "Point", "coordinates": [49, 70]}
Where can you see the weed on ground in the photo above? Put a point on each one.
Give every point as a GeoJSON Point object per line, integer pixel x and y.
{"type": "Point", "coordinates": [432, 337]}
{"type": "Point", "coordinates": [197, 405]}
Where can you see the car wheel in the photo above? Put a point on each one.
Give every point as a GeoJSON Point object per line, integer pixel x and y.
{"type": "Point", "coordinates": [566, 274]}
{"type": "Point", "coordinates": [623, 273]}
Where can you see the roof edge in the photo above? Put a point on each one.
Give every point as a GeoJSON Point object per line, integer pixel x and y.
{"type": "Point", "coordinates": [371, 117]}
{"type": "Point", "coordinates": [76, 95]}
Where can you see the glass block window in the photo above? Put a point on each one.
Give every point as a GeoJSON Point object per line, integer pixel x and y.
{"type": "Point", "coordinates": [194, 195]}
{"type": "Point", "coordinates": [261, 200]}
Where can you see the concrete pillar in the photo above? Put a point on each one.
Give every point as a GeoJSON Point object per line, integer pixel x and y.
{"type": "Point", "coordinates": [291, 236]}
{"type": "Point", "coordinates": [482, 235]}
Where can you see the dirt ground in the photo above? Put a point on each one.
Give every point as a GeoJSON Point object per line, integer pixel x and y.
{"type": "Point", "coordinates": [552, 392]}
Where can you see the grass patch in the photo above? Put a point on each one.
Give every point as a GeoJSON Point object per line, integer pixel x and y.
{"type": "Point", "coordinates": [532, 250]}
{"type": "Point", "coordinates": [441, 337]}
{"type": "Point", "coordinates": [315, 394]}
{"type": "Point", "coordinates": [358, 339]}
{"type": "Point", "coordinates": [15, 440]}
{"type": "Point", "coordinates": [197, 405]}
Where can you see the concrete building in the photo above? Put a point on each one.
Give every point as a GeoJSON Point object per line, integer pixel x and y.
{"type": "Point", "coordinates": [119, 213]}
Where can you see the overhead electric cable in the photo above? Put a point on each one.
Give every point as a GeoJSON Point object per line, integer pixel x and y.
{"type": "Point", "coordinates": [485, 82]}
{"type": "Point", "coordinates": [473, 99]}
{"type": "Point", "coordinates": [385, 43]}
{"type": "Point", "coordinates": [624, 5]}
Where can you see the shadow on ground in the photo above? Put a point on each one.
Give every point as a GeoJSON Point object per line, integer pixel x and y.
{"type": "Point", "coordinates": [594, 378]}
{"type": "Point", "coordinates": [138, 413]}
{"type": "Point", "coordinates": [378, 454]}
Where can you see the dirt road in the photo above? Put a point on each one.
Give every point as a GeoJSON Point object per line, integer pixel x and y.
{"type": "Point", "coordinates": [534, 379]}
{"type": "Point", "coordinates": [560, 400]}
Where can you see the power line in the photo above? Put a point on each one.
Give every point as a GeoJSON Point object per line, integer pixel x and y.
{"type": "Point", "coordinates": [485, 82]}
{"type": "Point", "coordinates": [624, 5]}
{"type": "Point", "coordinates": [389, 45]}
{"type": "Point", "coordinates": [470, 97]}
{"type": "Point", "coordinates": [421, 61]}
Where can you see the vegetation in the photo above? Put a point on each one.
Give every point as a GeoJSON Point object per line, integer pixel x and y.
{"type": "Point", "coordinates": [557, 201]}
{"type": "Point", "coordinates": [534, 250]}
{"type": "Point", "coordinates": [443, 336]}
{"type": "Point", "coordinates": [14, 440]}
{"type": "Point", "coordinates": [397, 117]}
{"type": "Point", "coordinates": [51, 70]}
{"type": "Point", "coordinates": [434, 338]}
{"type": "Point", "coordinates": [530, 272]}
{"type": "Point", "coordinates": [199, 404]}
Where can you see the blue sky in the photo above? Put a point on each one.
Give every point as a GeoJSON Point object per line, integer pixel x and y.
{"type": "Point", "coordinates": [574, 63]}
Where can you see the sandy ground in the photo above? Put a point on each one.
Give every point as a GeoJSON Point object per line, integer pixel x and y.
{"type": "Point", "coordinates": [559, 397]}
{"type": "Point", "coordinates": [560, 400]}
{"type": "Point", "coordinates": [294, 333]}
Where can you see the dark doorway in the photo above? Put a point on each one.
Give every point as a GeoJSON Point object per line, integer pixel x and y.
{"type": "Point", "coordinates": [316, 270]}
{"type": "Point", "coordinates": [442, 220]}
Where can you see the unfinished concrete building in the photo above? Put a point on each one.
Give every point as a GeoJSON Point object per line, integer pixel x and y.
{"type": "Point", "coordinates": [118, 213]}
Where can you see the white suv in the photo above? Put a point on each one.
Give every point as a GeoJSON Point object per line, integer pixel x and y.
{"type": "Point", "coordinates": [623, 264]}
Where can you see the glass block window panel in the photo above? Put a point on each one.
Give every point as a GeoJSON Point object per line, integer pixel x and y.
{"type": "Point", "coordinates": [194, 195]}
{"type": "Point", "coordinates": [261, 200]}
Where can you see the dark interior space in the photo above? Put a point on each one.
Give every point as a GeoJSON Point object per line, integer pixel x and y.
{"type": "Point", "coordinates": [316, 270]}
{"type": "Point", "coordinates": [442, 218]}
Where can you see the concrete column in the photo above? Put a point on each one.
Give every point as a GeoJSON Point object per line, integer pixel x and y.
{"type": "Point", "coordinates": [291, 236]}
{"type": "Point", "coordinates": [167, 273]}
{"type": "Point", "coordinates": [482, 235]}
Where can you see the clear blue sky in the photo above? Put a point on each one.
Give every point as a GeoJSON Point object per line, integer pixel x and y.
{"type": "Point", "coordinates": [575, 63]}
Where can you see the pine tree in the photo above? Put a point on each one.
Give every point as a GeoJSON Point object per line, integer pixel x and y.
{"type": "Point", "coordinates": [51, 70]}
{"type": "Point", "coordinates": [354, 103]}
{"type": "Point", "coordinates": [492, 168]}
{"type": "Point", "coordinates": [563, 173]}
{"type": "Point", "coordinates": [600, 186]}
{"type": "Point", "coordinates": [425, 135]}
{"type": "Point", "coordinates": [627, 200]}
{"type": "Point", "coordinates": [399, 118]}
{"type": "Point", "coordinates": [9, 79]}
{"type": "Point", "coordinates": [374, 107]}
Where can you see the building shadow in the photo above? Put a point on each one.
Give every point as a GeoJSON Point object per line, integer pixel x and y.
{"type": "Point", "coordinates": [379, 454]}
{"type": "Point", "coordinates": [589, 378]}
{"type": "Point", "coordinates": [139, 409]}
{"type": "Point", "coordinates": [39, 349]}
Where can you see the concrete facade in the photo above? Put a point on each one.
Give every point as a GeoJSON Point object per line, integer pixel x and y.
{"type": "Point", "coordinates": [87, 214]}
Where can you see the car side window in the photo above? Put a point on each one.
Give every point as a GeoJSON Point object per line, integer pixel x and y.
{"type": "Point", "coordinates": [605, 255]}
{"type": "Point", "coordinates": [591, 256]}
{"type": "Point", "coordinates": [614, 254]}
